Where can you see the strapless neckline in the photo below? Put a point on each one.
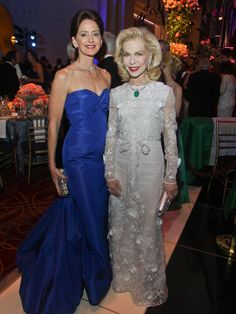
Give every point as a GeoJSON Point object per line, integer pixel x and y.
{"type": "Point", "coordinates": [88, 90]}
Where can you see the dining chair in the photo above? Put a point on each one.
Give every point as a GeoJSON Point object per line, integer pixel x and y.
{"type": "Point", "coordinates": [225, 155]}
{"type": "Point", "coordinates": [36, 149]}
{"type": "Point", "coordinates": [7, 158]}
{"type": "Point", "coordinates": [7, 154]}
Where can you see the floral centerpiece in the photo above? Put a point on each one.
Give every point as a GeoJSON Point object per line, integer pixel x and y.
{"type": "Point", "coordinates": [179, 49]}
{"type": "Point", "coordinates": [19, 104]}
{"type": "Point", "coordinates": [29, 90]}
{"type": "Point", "coordinates": [179, 18]}
{"type": "Point", "coordinates": [40, 105]}
{"type": "Point", "coordinates": [31, 98]}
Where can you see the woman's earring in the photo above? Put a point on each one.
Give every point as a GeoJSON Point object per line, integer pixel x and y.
{"type": "Point", "coordinates": [74, 44]}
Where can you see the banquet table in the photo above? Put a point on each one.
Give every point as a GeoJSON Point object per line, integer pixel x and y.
{"type": "Point", "coordinates": [16, 131]}
{"type": "Point", "coordinates": [199, 141]}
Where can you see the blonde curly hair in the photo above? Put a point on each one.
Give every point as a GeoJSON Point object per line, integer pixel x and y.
{"type": "Point", "coordinates": [151, 44]}
{"type": "Point", "coordinates": [173, 62]}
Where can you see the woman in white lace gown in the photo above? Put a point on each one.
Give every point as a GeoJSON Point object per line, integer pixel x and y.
{"type": "Point", "coordinates": [140, 111]}
{"type": "Point", "coordinates": [227, 90]}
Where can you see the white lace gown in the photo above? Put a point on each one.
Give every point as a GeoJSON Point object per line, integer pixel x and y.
{"type": "Point", "coordinates": [227, 96]}
{"type": "Point", "coordinates": [134, 156]}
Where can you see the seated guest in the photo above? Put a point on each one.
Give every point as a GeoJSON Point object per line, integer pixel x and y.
{"type": "Point", "coordinates": [34, 71]}
{"type": "Point", "coordinates": [9, 83]}
{"type": "Point", "coordinates": [108, 62]}
{"type": "Point", "coordinates": [227, 90]}
{"type": "Point", "coordinates": [203, 91]}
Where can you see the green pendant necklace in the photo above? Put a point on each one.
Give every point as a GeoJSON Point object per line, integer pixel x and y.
{"type": "Point", "coordinates": [137, 90]}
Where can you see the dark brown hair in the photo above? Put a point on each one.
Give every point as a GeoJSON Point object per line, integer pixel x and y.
{"type": "Point", "coordinates": [86, 14]}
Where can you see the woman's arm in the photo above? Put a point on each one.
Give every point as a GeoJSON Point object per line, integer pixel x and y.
{"type": "Point", "coordinates": [178, 98]}
{"type": "Point", "coordinates": [112, 183]}
{"type": "Point", "coordinates": [170, 142]}
{"type": "Point", "coordinates": [56, 106]}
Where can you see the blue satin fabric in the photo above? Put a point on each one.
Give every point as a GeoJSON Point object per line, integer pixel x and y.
{"type": "Point", "coordinates": [67, 251]}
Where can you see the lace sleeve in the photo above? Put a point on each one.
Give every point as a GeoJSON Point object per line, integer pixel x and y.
{"type": "Point", "coordinates": [170, 141]}
{"type": "Point", "coordinates": [110, 140]}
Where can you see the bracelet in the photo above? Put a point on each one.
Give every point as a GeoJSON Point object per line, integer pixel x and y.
{"type": "Point", "coordinates": [170, 182]}
{"type": "Point", "coordinates": [109, 180]}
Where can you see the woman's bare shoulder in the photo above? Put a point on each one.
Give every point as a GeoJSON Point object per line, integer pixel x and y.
{"type": "Point", "coordinates": [63, 74]}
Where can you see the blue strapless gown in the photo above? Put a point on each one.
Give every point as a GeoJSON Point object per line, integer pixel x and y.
{"type": "Point", "coordinates": [67, 251]}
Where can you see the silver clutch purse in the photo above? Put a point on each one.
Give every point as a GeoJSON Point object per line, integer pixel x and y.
{"type": "Point", "coordinates": [63, 186]}
{"type": "Point", "coordinates": [163, 205]}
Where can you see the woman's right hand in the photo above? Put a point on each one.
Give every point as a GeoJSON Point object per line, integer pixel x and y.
{"type": "Point", "coordinates": [114, 187]}
{"type": "Point", "coordinates": [56, 175]}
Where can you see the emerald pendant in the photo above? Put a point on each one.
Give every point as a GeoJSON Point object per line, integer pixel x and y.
{"type": "Point", "coordinates": [136, 93]}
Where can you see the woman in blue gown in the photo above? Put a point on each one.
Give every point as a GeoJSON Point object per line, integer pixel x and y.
{"type": "Point", "coordinates": [67, 251]}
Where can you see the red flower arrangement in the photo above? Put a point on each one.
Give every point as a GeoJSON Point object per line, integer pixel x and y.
{"type": "Point", "coordinates": [31, 98]}
{"type": "Point", "coordinates": [30, 90]}
{"type": "Point", "coordinates": [19, 103]}
{"type": "Point", "coordinates": [40, 104]}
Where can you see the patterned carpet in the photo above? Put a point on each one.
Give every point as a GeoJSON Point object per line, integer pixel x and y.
{"type": "Point", "coordinates": [21, 206]}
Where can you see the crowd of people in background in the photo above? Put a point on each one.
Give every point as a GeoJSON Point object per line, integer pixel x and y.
{"type": "Point", "coordinates": [15, 70]}
{"type": "Point", "coordinates": [202, 87]}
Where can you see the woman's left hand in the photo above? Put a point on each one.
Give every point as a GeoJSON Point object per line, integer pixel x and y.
{"type": "Point", "coordinates": [171, 189]}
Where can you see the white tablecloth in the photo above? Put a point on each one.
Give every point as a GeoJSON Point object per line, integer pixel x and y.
{"type": "Point", "coordinates": [3, 122]}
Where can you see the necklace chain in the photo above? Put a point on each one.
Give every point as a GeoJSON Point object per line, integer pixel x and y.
{"type": "Point", "coordinates": [84, 68]}
{"type": "Point", "coordinates": [137, 90]}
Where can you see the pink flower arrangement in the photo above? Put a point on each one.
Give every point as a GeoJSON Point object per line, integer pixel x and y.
{"type": "Point", "coordinates": [40, 105]}
{"type": "Point", "coordinates": [179, 50]}
{"type": "Point", "coordinates": [41, 101]}
{"type": "Point", "coordinates": [205, 41]}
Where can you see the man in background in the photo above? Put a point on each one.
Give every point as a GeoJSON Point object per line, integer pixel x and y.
{"type": "Point", "coordinates": [9, 82]}
{"type": "Point", "coordinates": [108, 62]}
{"type": "Point", "coordinates": [203, 91]}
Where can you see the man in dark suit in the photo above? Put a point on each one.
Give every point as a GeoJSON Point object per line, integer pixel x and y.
{"type": "Point", "coordinates": [203, 91]}
{"type": "Point", "coordinates": [9, 82]}
{"type": "Point", "coordinates": [108, 62]}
